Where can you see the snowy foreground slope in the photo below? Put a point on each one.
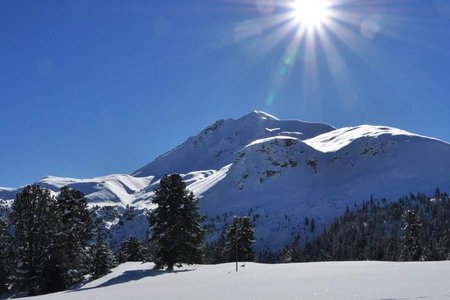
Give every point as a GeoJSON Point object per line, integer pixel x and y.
{"type": "Point", "coordinates": [277, 171]}
{"type": "Point", "coordinates": [326, 280]}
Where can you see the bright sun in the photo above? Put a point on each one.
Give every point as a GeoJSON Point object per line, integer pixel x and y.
{"type": "Point", "coordinates": [311, 13]}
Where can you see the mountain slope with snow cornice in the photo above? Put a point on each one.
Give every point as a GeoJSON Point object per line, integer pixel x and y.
{"type": "Point", "coordinates": [277, 171]}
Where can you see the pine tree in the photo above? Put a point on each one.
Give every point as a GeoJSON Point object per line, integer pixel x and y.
{"type": "Point", "coordinates": [148, 250]}
{"type": "Point", "coordinates": [103, 258]}
{"type": "Point", "coordinates": [52, 277]}
{"type": "Point", "coordinates": [34, 221]}
{"type": "Point", "coordinates": [411, 248]}
{"type": "Point", "coordinates": [373, 231]}
{"type": "Point", "coordinates": [444, 243]}
{"type": "Point", "coordinates": [392, 252]}
{"type": "Point", "coordinates": [231, 242]}
{"type": "Point", "coordinates": [241, 234]}
{"type": "Point", "coordinates": [5, 258]}
{"type": "Point", "coordinates": [313, 225]}
{"type": "Point", "coordinates": [122, 254]}
{"type": "Point", "coordinates": [75, 231]}
{"type": "Point", "coordinates": [131, 250]}
{"type": "Point", "coordinates": [247, 239]}
{"type": "Point", "coordinates": [213, 250]}
{"type": "Point", "coordinates": [175, 224]}
{"type": "Point", "coordinates": [292, 253]}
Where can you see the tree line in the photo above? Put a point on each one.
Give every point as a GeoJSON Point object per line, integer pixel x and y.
{"type": "Point", "coordinates": [45, 242]}
{"type": "Point", "coordinates": [416, 227]}
{"type": "Point", "coordinates": [49, 244]}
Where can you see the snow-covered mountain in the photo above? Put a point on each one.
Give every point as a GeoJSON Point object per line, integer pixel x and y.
{"type": "Point", "coordinates": [218, 144]}
{"type": "Point", "coordinates": [277, 171]}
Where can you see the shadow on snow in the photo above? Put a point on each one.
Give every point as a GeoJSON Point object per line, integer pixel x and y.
{"type": "Point", "coordinates": [132, 275]}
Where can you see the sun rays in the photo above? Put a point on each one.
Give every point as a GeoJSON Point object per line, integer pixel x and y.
{"type": "Point", "coordinates": [311, 13]}
{"type": "Point", "coordinates": [313, 32]}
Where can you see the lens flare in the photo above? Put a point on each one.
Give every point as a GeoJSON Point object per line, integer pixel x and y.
{"type": "Point", "coordinates": [319, 36]}
{"type": "Point", "coordinates": [310, 13]}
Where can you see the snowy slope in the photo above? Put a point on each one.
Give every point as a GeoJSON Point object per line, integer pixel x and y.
{"type": "Point", "coordinates": [118, 189]}
{"type": "Point", "coordinates": [284, 179]}
{"type": "Point", "coordinates": [276, 171]}
{"type": "Point", "coordinates": [7, 193]}
{"type": "Point", "coordinates": [218, 144]}
{"type": "Point", "coordinates": [383, 164]}
{"type": "Point", "coordinates": [330, 280]}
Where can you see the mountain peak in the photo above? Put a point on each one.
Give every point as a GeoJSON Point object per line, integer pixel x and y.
{"type": "Point", "coordinates": [218, 144]}
{"type": "Point", "coordinates": [279, 171]}
{"type": "Point", "coordinates": [258, 114]}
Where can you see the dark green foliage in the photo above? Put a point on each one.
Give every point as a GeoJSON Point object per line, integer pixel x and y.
{"type": "Point", "coordinates": [5, 257]}
{"type": "Point", "coordinates": [74, 233]}
{"type": "Point", "coordinates": [129, 213]}
{"type": "Point", "coordinates": [103, 258]}
{"type": "Point", "coordinates": [268, 256]}
{"type": "Point", "coordinates": [122, 255]}
{"type": "Point", "coordinates": [176, 227]}
{"type": "Point", "coordinates": [292, 253]}
{"type": "Point", "coordinates": [53, 273]}
{"type": "Point", "coordinates": [374, 231]}
{"type": "Point", "coordinates": [444, 243]}
{"type": "Point", "coordinates": [34, 219]}
{"type": "Point", "coordinates": [131, 250]}
{"type": "Point", "coordinates": [49, 240]}
{"type": "Point", "coordinates": [392, 247]}
{"type": "Point", "coordinates": [411, 248]}
{"type": "Point", "coordinates": [214, 251]}
{"type": "Point", "coordinates": [313, 225]}
{"type": "Point", "coordinates": [148, 248]}
{"type": "Point", "coordinates": [241, 234]}
{"type": "Point", "coordinates": [306, 222]}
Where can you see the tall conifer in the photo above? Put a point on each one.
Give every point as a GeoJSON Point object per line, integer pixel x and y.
{"type": "Point", "coordinates": [175, 224]}
{"type": "Point", "coordinates": [240, 234]}
{"type": "Point", "coordinates": [5, 258]}
{"type": "Point", "coordinates": [102, 258]}
{"type": "Point", "coordinates": [75, 231]}
{"type": "Point", "coordinates": [34, 221]}
{"type": "Point", "coordinates": [411, 248]}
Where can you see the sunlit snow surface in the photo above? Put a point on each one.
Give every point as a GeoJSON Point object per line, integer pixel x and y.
{"type": "Point", "coordinates": [277, 171]}
{"type": "Point", "coordinates": [326, 280]}
{"type": "Point", "coordinates": [339, 138]}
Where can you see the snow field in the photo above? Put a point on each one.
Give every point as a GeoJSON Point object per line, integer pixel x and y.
{"type": "Point", "coordinates": [324, 280]}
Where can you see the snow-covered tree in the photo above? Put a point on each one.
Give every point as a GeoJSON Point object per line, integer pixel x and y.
{"type": "Point", "coordinates": [175, 224]}
{"type": "Point", "coordinates": [49, 240]}
{"type": "Point", "coordinates": [241, 234]}
{"type": "Point", "coordinates": [392, 249]}
{"type": "Point", "coordinates": [292, 253]}
{"type": "Point", "coordinates": [131, 250]}
{"type": "Point", "coordinates": [53, 272]}
{"type": "Point", "coordinates": [102, 258]}
{"type": "Point", "coordinates": [444, 243]}
{"type": "Point", "coordinates": [5, 258]}
{"type": "Point", "coordinates": [411, 248]}
{"type": "Point", "coordinates": [34, 221]}
{"type": "Point", "coordinates": [75, 231]}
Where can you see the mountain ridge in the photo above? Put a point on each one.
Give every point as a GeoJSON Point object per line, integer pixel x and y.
{"type": "Point", "coordinates": [278, 171]}
{"type": "Point", "coordinates": [223, 139]}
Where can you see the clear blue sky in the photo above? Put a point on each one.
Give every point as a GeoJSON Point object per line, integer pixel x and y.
{"type": "Point", "coordinates": [90, 88]}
